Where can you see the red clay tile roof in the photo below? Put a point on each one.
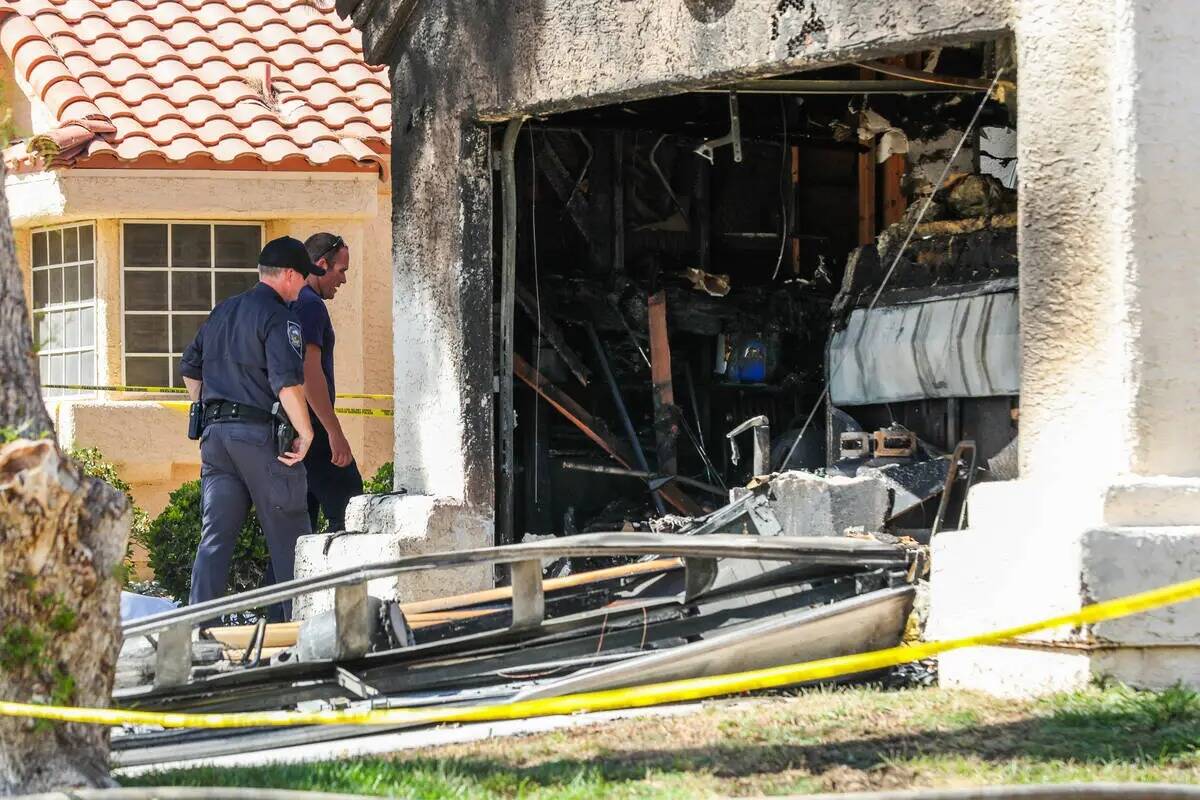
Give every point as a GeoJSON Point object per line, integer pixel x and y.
{"type": "Point", "coordinates": [198, 84]}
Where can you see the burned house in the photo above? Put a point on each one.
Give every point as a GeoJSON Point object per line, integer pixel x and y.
{"type": "Point", "coordinates": [839, 235]}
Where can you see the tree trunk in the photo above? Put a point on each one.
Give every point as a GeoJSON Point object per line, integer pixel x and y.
{"type": "Point", "coordinates": [62, 546]}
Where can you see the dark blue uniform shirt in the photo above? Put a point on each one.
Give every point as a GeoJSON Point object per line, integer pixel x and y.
{"type": "Point", "coordinates": [248, 349]}
{"type": "Point", "coordinates": [317, 329]}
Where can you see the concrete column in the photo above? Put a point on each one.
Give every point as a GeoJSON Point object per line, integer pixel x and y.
{"type": "Point", "coordinates": [443, 365]}
{"type": "Point", "coordinates": [1109, 498]}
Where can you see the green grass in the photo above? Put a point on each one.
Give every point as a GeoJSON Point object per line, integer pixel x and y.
{"type": "Point", "coordinates": [820, 740]}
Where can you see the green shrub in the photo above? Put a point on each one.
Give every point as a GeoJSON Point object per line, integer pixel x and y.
{"type": "Point", "coordinates": [381, 481]}
{"type": "Point", "coordinates": [174, 535]}
{"type": "Point", "coordinates": [92, 462]}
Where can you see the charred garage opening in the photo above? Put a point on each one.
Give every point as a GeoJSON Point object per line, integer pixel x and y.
{"type": "Point", "coordinates": [813, 272]}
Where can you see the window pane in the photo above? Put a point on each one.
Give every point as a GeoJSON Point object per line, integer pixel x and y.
{"type": "Point", "coordinates": [183, 330]}
{"type": "Point", "coordinates": [41, 331]}
{"type": "Point", "coordinates": [39, 249]}
{"type": "Point", "coordinates": [71, 329]}
{"type": "Point", "coordinates": [55, 240]}
{"type": "Point", "coordinates": [86, 243]}
{"type": "Point", "coordinates": [54, 331]}
{"type": "Point", "coordinates": [146, 291]}
{"type": "Point", "coordinates": [87, 369]}
{"type": "Point", "coordinates": [190, 246]}
{"type": "Point", "coordinates": [41, 288]}
{"type": "Point", "coordinates": [56, 284]}
{"type": "Point", "coordinates": [146, 333]}
{"type": "Point", "coordinates": [57, 363]}
{"type": "Point", "coordinates": [70, 244]}
{"type": "Point", "coordinates": [87, 281]}
{"type": "Point", "coordinates": [231, 283]}
{"type": "Point", "coordinates": [191, 291]}
{"type": "Point", "coordinates": [145, 245]}
{"type": "Point", "coordinates": [238, 245]}
{"type": "Point", "coordinates": [44, 369]}
{"type": "Point", "coordinates": [87, 326]}
{"type": "Point", "coordinates": [143, 371]}
{"type": "Point", "coordinates": [71, 284]}
{"type": "Point", "coordinates": [71, 375]}
{"type": "Point", "coordinates": [176, 372]}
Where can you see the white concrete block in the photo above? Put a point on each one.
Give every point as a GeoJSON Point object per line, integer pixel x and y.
{"type": "Point", "coordinates": [1014, 672]}
{"type": "Point", "coordinates": [1123, 561]}
{"type": "Point", "coordinates": [1026, 558]}
{"type": "Point", "coordinates": [1158, 500]}
{"type": "Point", "coordinates": [813, 505]}
{"type": "Point", "coordinates": [1149, 667]}
{"type": "Point", "coordinates": [391, 527]}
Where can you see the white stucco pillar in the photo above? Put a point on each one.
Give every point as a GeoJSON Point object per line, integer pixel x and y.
{"type": "Point", "coordinates": [443, 371]}
{"type": "Point", "coordinates": [1109, 497]}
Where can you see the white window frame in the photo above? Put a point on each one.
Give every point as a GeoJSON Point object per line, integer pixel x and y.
{"type": "Point", "coordinates": [64, 306]}
{"type": "Point", "coordinates": [170, 313]}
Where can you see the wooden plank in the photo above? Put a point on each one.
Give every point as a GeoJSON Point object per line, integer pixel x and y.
{"type": "Point", "coordinates": [553, 334]}
{"type": "Point", "coordinates": [892, 176]}
{"type": "Point", "coordinates": [561, 181]}
{"type": "Point", "coordinates": [595, 429]}
{"type": "Point", "coordinates": [866, 196]}
{"type": "Point", "coordinates": [551, 585]}
{"type": "Point", "coordinates": [666, 425]}
{"type": "Point", "coordinates": [424, 613]}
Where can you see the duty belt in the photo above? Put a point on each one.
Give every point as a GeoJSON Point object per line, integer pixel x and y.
{"type": "Point", "coordinates": [225, 411]}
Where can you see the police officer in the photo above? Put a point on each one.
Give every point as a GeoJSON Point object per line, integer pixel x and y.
{"type": "Point", "coordinates": [248, 353]}
{"type": "Point", "coordinates": [333, 476]}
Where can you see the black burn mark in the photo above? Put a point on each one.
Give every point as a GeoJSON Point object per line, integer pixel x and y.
{"type": "Point", "coordinates": [709, 11]}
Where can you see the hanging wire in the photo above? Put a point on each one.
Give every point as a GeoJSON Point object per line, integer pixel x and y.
{"type": "Point", "coordinates": [899, 253]}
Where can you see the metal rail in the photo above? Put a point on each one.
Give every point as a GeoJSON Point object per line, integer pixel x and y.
{"type": "Point", "coordinates": [814, 549]}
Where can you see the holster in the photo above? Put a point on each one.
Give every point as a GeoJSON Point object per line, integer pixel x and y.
{"type": "Point", "coordinates": [195, 420]}
{"type": "Point", "coordinates": [285, 432]}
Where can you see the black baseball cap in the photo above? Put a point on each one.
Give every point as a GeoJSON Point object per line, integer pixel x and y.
{"type": "Point", "coordinates": [288, 253]}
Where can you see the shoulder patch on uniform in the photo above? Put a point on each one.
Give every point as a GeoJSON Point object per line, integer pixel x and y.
{"type": "Point", "coordinates": [294, 338]}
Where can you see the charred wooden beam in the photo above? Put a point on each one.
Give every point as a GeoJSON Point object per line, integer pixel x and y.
{"type": "Point", "coordinates": [560, 180]}
{"type": "Point", "coordinates": [894, 201]}
{"type": "Point", "coordinates": [553, 334]}
{"type": "Point", "coordinates": [619, 402]}
{"type": "Point", "coordinates": [666, 421]}
{"type": "Point", "coordinates": [594, 428]}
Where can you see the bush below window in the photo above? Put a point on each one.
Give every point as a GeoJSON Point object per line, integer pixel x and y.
{"type": "Point", "coordinates": [92, 462]}
{"type": "Point", "coordinates": [174, 536]}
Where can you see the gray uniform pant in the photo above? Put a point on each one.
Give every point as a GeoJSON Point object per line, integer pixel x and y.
{"type": "Point", "coordinates": [238, 467]}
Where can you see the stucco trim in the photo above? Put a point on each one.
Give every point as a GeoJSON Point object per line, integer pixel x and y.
{"type": "Point", "coordinates": [63, 195]}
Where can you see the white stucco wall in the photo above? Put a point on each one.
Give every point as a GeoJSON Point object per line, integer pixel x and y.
{"type": "Point", "coordinates": [1109, 499]}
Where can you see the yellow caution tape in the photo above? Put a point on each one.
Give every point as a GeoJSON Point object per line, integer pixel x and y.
{"type": "Point", "coordinates": [176, 390]}
{"type": "Point", "coordinates": [86, 388]}
{"type": "Point", "coordinates": [183, 405]}
{"type": "Point", "coordinates": [612, 699]}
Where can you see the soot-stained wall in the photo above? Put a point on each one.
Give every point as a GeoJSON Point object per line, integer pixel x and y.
{"type": "Point", "coordinates": [459, 64]}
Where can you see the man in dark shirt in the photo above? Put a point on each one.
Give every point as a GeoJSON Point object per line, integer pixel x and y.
{"type": "Point", "coordinates": [333, 476]}
{"type": "Point", "coordinates": [246, 354]}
